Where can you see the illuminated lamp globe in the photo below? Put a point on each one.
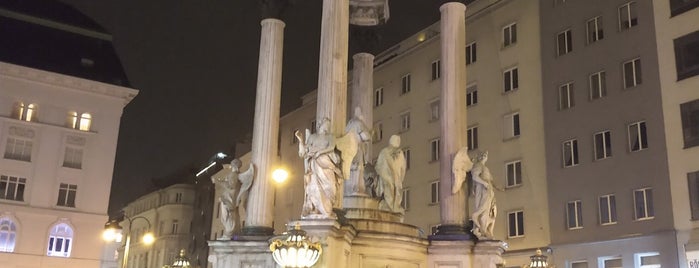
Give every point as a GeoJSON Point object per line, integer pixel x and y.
{"type": "Point", "coordinates": [148, 238]}
{"type": "Point", "coordinates": [280, 175]}
{"type": "Point", "coordinates": [538, 260]}
{"type": "Point", "coordinates": [292, 249]}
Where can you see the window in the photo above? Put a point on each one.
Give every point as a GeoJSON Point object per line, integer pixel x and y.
{"type": "Point", "coordinates": [511, 79]}
{"type": "Point", "coordinates": [603, 144]}
{"type": "Point", "coordinates": [570, 153]}
{"type": "Point", "coordinates": [578, 264]}
{"type": "Point", "coordinates": [574, 215]}
{"type": "Point", "coordinates": [405, 199]}
{"type": "Point", "coordinates": [693, 185]}
{"type": "Point", "coordinates": [378, 97]}
{"type": "Point", "coordinates": [632, 73]}
{"type": "Point", "coordinates": [566, 98]}
{"type": "Point", "coordinates": [436, 71]}
{"type": "Point", "coordinates": [405, 84]}
{"type": "Point", "coordinates": [25, 112]}
{"type": "Point", "coordinates": [434, 150]}
{"type": "Point", "coordinates": [595, 31]}
{"type": "Point", "coordinates": [405, 121]}
{"type": "Point", "coordinates": [175, 226]}
{"type": "Point", "coordinates": [680, 6]}
{"type": "Point", "coordinates": [513, 173]}
{"type": "Point", "coordinates": [472, 138]}
{"type": "Point", "coordinates": [607, 209]}
{"type": "Point", "coordinates": [509, 35]}
{"type": "Point", "coordinates": [434, 110]}
{"type": "Point", "coordinates": [471, 55]}
{"type": "Point", "coordinates": [687, 54]}
{"type": "Point", "coordinates": [8, 235]}
{"type": "Point", "coordinates": [564, 42]}
{"type": "Point", "coordinates": [73, 157]}
{"type": "Point", "coordinates": [66, 195]}
{"type": "Point", "coordinates": [12, 188]}
{"type": "Point", "coordinates": [19, 149]}
{"type": "Point", "coordinates": [471, 95]}
{"type": "Point", "coordinates": [434, 192]}
{"type": "Point", "coordinates": [85, 122]}
{"type": "Point", "coordinates": [515, 224]}
{"type": "Point", "coordinates": [511, 125]}
{"type": "Point", "coordinates": [643, 203]}
{"type": "Point", "coordinates": [611, 262]}
{"type": "Point", "coordinates": [178, 197]}
{"type": "Point", "coordinates": [648, 260]}
{"type": "Point", "coordinates": [690, 123]}
{"type": "Point", "coordinates": [638, 139]}
{"type": "Point", "coordinates": [378, 132]}
{"type": "Point", "coordinates": [60, 241]}
{"type": "Point", "coordinates": [406, 153]}
{"type": "Point", "coordinates": [598, 85]}
{"type": "Point", "coordinates": [314, 126]}
{"type": "Point", "coordinates": [628, 16]}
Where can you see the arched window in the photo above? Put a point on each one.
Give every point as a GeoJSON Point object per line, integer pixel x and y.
{"type": "Point", "coordinates": [30, 114]}
{"type": "Point", "coordinates": [72, 121]}
{"type": "Point", "coordinates": [8, 235]}
{"type": "Point", "coordinates": [85, 121]}
{"type": "Point", "coordinates": [25, 112]}
{"type": "Point", "coordinates": [60, 240]}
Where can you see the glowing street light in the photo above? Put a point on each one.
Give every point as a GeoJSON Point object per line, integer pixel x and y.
{"type": "Point", "coordinates": [113, 232]}
{"type": "Point", "coordinates": [280, 175]}
{"type": "Point", "coordinates": [293, 249]}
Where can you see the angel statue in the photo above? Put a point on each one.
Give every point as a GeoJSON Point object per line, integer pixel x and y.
{"type": "Point", "coordinates": [485, 209]}
{"type": "Point", "coordinates": [324, 170]}
{"type": "Point", "coordinates": [460, 166]}
{"type": "Point", "coordinates": [361, 134]}
{"type": "Point", "coordinates": [235, 187]}
{"type": "Point", "coordinates": [391, 169]}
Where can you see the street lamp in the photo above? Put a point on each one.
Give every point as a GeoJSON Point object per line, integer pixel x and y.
{"type": "Point", "coordinates": [293, 249]}
{"type": "Point", "coordinates": [538, 260]}
{"type": "Point", "coordinates": [113, 232]}
{"type": "Point", "coordinates": [180, 261]}
{"type": "Point", "coordinates": [280, 175]}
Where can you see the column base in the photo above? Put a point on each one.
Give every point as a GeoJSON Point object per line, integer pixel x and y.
{"type": "Point", "coordinates": [447, 254]}
{"type": "Point", "coordinates": [243, 254]}
{"type": "Point", "coordinates": [488, 253]}
{"type": "Point", "coordinates": [452, 232]}
{"type": "Point", "coordinates": [262, 231]}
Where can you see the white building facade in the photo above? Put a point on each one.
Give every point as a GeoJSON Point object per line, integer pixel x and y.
{"type": "Point", "coordinates": [58, 136]}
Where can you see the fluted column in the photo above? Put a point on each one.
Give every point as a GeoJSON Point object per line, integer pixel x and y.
{"type": "Point", "coordinates": [453, 114]}
{"type": "Point", "coordinates": [260, 211]}
{"type": "Point", "coordinates": [332, 69]}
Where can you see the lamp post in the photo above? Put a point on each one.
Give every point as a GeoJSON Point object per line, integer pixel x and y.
{"type": "Point", "coordinates": [538, 260]}
{"type": "Point", "coordinates": [180, 261]}
{"type": "Point", "coordinates": [113, 232]}
{"type": "Point", "coordinates": [293, 249]}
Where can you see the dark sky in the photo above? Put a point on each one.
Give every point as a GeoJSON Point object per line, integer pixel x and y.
{"type": "Point", "coordinates": [195, 64]}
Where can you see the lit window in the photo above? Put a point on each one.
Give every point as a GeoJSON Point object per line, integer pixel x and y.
{"type": "Point", "coordinates": [405, 121]}
{"type": "Point", "coordinates": [60, 240]}
{"type": "Point", "coordinates": [574, 215]}
{"type": "Point", "coordinates": [434, 192]}
{"type": "Point", "coordinates": [628, 16]}
{"type": "Point", "coordinates": [66, 195]}
{"type": "Point", "coordinates": [513, 173]}
{"type": "Point", "coordinates": [511, 126]}
{"type": "Point", "coordinates": [598, 85]}
{"type": "Point", "coordinates": [405, 199]}
{"type": "Point", "coordinates": [570, 153]}
{"type": "Point", "coordinates": [515, 224]}
{"type": "Point", "coordinates": [595, 31]}
{"type": "Point", "coordinates": [638, 138]}
{"type": "Point", "coordinates": [434, 150]}
{"type": "Point", "coordinates": [643, 203]}
{"type": "Point", "coordinates": [434, 110]}
{"type": "Point", "coordinates": [12, 188]}
{"type": "Point", "coordinates": [471, 55]}
{"type": "Point", "coordinates": [509, 35]}
{"type": "Point", "coordinates": [566, 97]}
{"type": "Point", "coordinates": [632, 73]}
{"type": "Point", "coordinates": [472, 138]}
{"type": "Point", "coordinates": [607, 209]}
{"type": "Point", "coordinates": [564, 41]}
{"type": "Point", "coordinates": [25, 112]}
{"type": "Point", "coordinates": [378, 97]}
{"type": "Point", "coordinates": [8, 235]}
{"type": "Point", "coordinates": [511, 79]}
{"type": "Point", "coordinates": [19, 149]}
{"type": "Point", "coordinates": [436, 71]}
{"type": "Point", "coordinates": [603, 144]}
{"type": "Point", "coordinates": [405, 84]}
{"type": "Point", "coordinates": [79, 121]}
{"type": "Point", "coordinates": [85, 121]}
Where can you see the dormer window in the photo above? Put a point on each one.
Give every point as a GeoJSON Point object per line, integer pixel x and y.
{"type": "Point", "coordinates": [25, 112]}
{"type": "Point", "coordinates": [81, 121]}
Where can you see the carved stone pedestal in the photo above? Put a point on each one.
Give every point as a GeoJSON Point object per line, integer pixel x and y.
{"type": "Point", "coordinates": [488, 254]}
{"type": "Point", "coordinates": [243, 254]}
{"type": "Point", "coordinates": [335, 239]}
{"type": "Point", "coordinates": [450, 254]}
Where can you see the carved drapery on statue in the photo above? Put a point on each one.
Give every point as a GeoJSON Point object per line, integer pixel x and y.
{"type": "Point", "coordinates": [390, 167]}
{"type": "Point", "coordinates": [369, 12]}
{"type": "Point", "coordinates": [484, 199]}
{"type": "Point", "coordinates": [326, 161]}
{"type": "Point", "coordinates": [361, 134]}
{"type": "Point", "coordinates": [235, 187]}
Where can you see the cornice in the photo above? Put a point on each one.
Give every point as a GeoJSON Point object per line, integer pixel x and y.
{"type": "Point", "coordinates": [65, 81]}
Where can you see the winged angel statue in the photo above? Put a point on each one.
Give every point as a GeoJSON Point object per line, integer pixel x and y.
{"type": "Point", "coordinates": [235, 187]}
{"type": "Point", "coordinates": [325, 169]}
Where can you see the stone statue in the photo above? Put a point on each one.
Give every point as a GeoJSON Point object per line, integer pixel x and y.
{"type": "Point", "coordinates": [234, 194]}
{"type": "Point", "coordinates": [323, 172]}
{"type": "Point", "coordinates": [391, 169]}
{"type": "Point", "coordinates": [460, 166]}
{"type": "Point", "coordinates": [485, 209]}
{"type": "Point", "coordinates": [362, 136]}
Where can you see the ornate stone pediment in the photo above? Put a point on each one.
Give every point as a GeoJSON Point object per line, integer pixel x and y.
{"type": "Point", "coordinates": [368, 12]}
{"type": "Point", "coordinates": [21, 132]}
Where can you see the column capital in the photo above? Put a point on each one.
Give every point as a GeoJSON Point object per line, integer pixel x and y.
{"type": "Point", "coordinates": [273, 8]}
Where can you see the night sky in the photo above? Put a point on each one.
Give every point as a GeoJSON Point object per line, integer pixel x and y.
{"type": "Point", "coordinates": [195, 64]}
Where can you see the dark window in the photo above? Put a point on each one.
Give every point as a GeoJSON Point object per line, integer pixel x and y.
{"type": "Point", "coordinates": [564, 41]}
{"type": "Point", "coordinates": [690, 123]}
{"type": "Point", "coordinates": [693, 184]}
{"type": "Point", "coordinates": [687, 55]}
{"type": "Point", "coordinates": [681, 6]}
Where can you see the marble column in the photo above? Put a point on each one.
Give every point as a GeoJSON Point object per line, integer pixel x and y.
{"type": "Point", "coordinates": [453, 115]}
{"type": "Point", "coordinates": [362, 91]}
{"type": "Point", "coordinates": [260, 212]}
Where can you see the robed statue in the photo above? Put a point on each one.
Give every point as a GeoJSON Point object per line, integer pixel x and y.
{"type": "Point", "coordinates": [390, 167]}
{"type": "Point", "coordinates": [235, 187]}
{"type": "Point", "coordinates": [357, 128]}
{"type": "Point", "coordinates": [484, 199]}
